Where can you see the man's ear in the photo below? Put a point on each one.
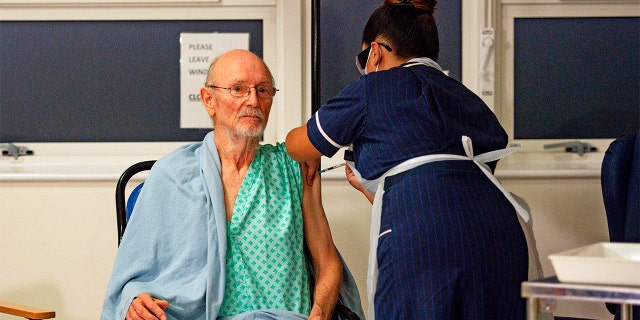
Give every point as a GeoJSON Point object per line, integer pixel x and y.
{"type": "Point", "coordinates": [208, 100]}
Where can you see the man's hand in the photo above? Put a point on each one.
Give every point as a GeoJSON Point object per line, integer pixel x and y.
{"type": "Point", "coordinates": [316, 313]}
{"type": "Point", "coordinates": [146, 307]}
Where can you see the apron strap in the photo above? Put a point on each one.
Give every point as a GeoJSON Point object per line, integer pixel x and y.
{"type": "Point", "coordinates": [481, 161]}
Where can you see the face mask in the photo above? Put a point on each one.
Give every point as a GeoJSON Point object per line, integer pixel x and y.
{"type": "Point", "coordinates": [362, 59]}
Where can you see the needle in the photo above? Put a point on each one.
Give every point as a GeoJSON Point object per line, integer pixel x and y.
{"type": "Point", "coordinates": [334, 167]}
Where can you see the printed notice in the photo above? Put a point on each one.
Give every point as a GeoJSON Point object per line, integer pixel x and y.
{"type": "Point", "coordinates": [197, 50]}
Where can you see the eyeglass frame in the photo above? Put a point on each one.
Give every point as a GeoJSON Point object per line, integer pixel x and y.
{"type": "Point", "coordinates": [363, 56]}
{"type": "Point", "coordinates": [275, 90]}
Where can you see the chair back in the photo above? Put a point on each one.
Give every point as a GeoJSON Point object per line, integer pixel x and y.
{"type": "Point", "coordinates": [620, 180]}
{"type": "Point", "coordinates": [124, 207]}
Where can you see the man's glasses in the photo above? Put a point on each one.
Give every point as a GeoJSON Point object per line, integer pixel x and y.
{"type": "Point", "coordinates": [244, 91]}
{"type": "Point", "coordinates": [362, 57]}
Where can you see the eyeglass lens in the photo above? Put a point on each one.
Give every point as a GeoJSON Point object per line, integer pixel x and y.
{"type": "Point", "coordinates": [244, 91]}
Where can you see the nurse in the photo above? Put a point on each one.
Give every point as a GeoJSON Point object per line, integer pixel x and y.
{"type": "Point", "coordinates": [445, 238]}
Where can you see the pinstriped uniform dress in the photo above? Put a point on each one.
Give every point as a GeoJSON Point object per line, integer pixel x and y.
{"type": "Point", "coordinates": [450, 246]}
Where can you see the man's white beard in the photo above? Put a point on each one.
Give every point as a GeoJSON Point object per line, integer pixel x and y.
{"type": "Point", "coordinates": [250, 132]}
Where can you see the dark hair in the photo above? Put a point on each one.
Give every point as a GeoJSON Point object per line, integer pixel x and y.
{"type": "Point", "coordinates": [408, 26]}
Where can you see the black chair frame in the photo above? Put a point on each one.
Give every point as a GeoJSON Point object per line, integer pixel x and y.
{"type": "Point", "coordinates": [121, 202]}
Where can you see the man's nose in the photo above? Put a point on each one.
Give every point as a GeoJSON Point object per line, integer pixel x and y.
{"type": "Point", "coordinates": [253, 96]}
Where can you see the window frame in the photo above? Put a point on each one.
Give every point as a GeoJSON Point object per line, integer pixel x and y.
{"type": "Point", "coordinates": [282, 51]}
{"type": "Point", "coordinates": [500, 15]}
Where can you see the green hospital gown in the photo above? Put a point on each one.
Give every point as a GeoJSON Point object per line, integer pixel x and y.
{"type": "Point", "coordinates": [265, 264]}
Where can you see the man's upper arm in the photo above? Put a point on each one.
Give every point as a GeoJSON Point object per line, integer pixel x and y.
{"type": "Point", "coordinates": [316, 227]}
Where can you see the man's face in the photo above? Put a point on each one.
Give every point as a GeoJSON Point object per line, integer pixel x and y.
{"type": "Point", "coordinates": [242, 117]}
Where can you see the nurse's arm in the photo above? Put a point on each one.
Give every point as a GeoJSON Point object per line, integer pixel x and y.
{"type": "Point", "coordinates": [299, 146]}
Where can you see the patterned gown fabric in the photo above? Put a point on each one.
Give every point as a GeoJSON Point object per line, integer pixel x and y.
{"type": "Point", "coordinates": [266, 266]}
{"type": "Point", "coordinates": [176, 241]}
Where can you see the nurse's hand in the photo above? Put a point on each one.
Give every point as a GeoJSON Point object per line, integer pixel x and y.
{"type": "Point", "coordinates": [146, 307]}
{"type": "Point", "coordinates": [353, 180]}
{"type": "Point", "coordinates": [312, 168]}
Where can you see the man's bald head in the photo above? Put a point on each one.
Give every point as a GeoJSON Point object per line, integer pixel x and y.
{"type": "Point", "coordinates": [236, 57]}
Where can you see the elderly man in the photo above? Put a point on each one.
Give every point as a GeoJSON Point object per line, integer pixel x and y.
{"type": "Point", "coordinates": [219, 228]}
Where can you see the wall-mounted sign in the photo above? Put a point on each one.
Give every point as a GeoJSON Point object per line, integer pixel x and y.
{"type": "Point", "coordinates": [197, 51]}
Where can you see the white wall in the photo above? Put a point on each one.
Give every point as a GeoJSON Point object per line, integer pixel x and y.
{"type": "Point", "coordinates": [59, 242]}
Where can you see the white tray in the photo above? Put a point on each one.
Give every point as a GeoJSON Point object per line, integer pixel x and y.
{"type": "Point", "coordinates": [601, 263]}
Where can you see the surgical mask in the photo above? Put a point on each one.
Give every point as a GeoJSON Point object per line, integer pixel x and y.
{"type": "Point", "coordinates": [362, 59]}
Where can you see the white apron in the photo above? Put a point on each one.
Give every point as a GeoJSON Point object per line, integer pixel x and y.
{"type": "Point", "coordinates": [377, 187]}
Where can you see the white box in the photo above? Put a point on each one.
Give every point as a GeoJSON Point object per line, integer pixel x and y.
{"type": "Point", "coordinates": [601, 263]}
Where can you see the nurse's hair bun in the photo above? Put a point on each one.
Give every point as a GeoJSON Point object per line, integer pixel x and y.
{"type": "Point", "coordinates": [422, 5]}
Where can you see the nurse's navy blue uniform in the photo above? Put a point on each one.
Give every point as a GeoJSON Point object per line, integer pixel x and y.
{"type": "Point", "coordinates": [450, 244]}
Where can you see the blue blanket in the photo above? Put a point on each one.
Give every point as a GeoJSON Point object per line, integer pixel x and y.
{"type": "Point", "coordinates": [175, 244]}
